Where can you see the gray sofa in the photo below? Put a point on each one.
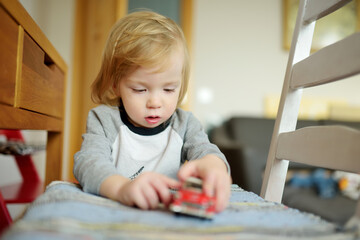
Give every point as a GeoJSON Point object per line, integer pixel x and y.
{"type": "Point", "coordinates": [245, 142]}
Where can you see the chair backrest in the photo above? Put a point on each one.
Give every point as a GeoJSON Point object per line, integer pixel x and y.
{"type": "Point", "coordinates": [333, 147]}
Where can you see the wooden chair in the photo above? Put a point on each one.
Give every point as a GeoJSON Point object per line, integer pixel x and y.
{"type": "Point", "coordinates": [332, 147]}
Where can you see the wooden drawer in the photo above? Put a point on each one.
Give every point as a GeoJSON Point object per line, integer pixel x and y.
{"type": "Point", "coordinates": [8, 54]}
{"type": "Point", "coordinates": [42, 81]}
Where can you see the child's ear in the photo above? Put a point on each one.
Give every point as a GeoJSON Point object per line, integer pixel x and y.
{"type": "Point", "coordinates": [115, 89]}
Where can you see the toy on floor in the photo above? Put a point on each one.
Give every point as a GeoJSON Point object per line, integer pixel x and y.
{"type": "Point", "coordinates": [191, 200]}
{"type": "Point", "coordinates": [324, 183]}
{"type": "Point", "coordinates": [349, 184]}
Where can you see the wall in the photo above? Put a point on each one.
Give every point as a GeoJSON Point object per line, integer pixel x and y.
{"type": "Point", "coordinates": [238, 56]}
{"type": "Point", "coordinates": [239, 59]}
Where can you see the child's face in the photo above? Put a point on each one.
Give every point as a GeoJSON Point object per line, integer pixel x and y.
{"type": "Point", "coordinates": [150, 97]}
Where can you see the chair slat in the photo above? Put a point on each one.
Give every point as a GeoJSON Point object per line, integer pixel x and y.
{"type": "Point", "coordinates": [332, 63]}
{"type": "Point", "coordinates": [320, 8]}
{"type": "Point", "coordinates": [334, 147]}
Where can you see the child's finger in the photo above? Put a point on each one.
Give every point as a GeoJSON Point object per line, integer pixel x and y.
{"type": "Point", "coordinates": [209, 184]}
{"type": "Point", "coordinates": [171, 183]}
{"type": "Point", "coordinates": [162, 185]}
{"type": "Point", "coordinates": [187, 170]}
{"type": "Point", "coordinates": [221, 198]}
{"type": "Point", "coordinates": [222, 194]}
{"type": "Point", "coordinates": [151, 197]}
{"type": "Point", "coordinates": [139, 200]}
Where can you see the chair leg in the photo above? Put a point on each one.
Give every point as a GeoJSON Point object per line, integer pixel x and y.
{"type": "Point", "coordinates": [5, 218]}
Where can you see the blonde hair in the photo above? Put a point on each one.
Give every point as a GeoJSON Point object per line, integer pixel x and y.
{"type": "Point", "coordinates": [145, 39]}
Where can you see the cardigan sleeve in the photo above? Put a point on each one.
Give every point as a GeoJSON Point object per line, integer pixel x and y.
{"type": "Point", "coordinates": [196, 141]}
{"type": "Point", "coordinates": [93, 163]}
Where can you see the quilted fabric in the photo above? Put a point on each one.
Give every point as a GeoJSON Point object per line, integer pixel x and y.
{"type": "Point", "coordinates": [64, 211]}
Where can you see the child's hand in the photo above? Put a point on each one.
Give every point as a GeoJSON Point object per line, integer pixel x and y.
{"type": "Point", "coordinates": [213, 172]}
{"type": "Point", "coordinates": [147, 190]}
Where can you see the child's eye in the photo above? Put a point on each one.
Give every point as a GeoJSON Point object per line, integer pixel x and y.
{"type": "Point", "coordinates": [139, 90]}
{"type": "Point", "coordinates": [169, 90]}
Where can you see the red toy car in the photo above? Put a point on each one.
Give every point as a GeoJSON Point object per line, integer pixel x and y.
{"type": "Point", "coordinates": [191, 200]}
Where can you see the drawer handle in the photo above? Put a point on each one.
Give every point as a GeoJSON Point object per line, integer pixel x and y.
{"type": "Point", "coordinates": [48, 61]}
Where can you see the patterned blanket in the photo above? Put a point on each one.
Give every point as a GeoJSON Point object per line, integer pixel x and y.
{"type": "Point", "coordinates": [64, 211]}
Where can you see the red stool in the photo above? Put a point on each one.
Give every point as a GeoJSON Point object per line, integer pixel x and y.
{"type": "Point", "coordinates": [24, 192]}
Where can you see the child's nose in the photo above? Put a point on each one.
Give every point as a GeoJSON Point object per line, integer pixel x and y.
{"type": "Point", "coordinates": [153, 102]}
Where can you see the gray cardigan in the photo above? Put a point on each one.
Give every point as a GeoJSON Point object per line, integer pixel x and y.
{"type": "Point", "coordinates": [112, 145]}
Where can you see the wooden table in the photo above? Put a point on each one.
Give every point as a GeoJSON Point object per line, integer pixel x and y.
{"type": "Point", "coordinates": [32, 82]}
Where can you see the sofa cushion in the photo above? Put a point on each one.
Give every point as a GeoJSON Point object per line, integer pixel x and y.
{"type": "Point", "coordinates": [337, 209]}
{"type": "Point", "coordinates": [251, 131]}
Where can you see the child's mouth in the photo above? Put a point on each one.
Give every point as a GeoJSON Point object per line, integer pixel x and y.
{"type": "Point", "coordinates": [152, 119]}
